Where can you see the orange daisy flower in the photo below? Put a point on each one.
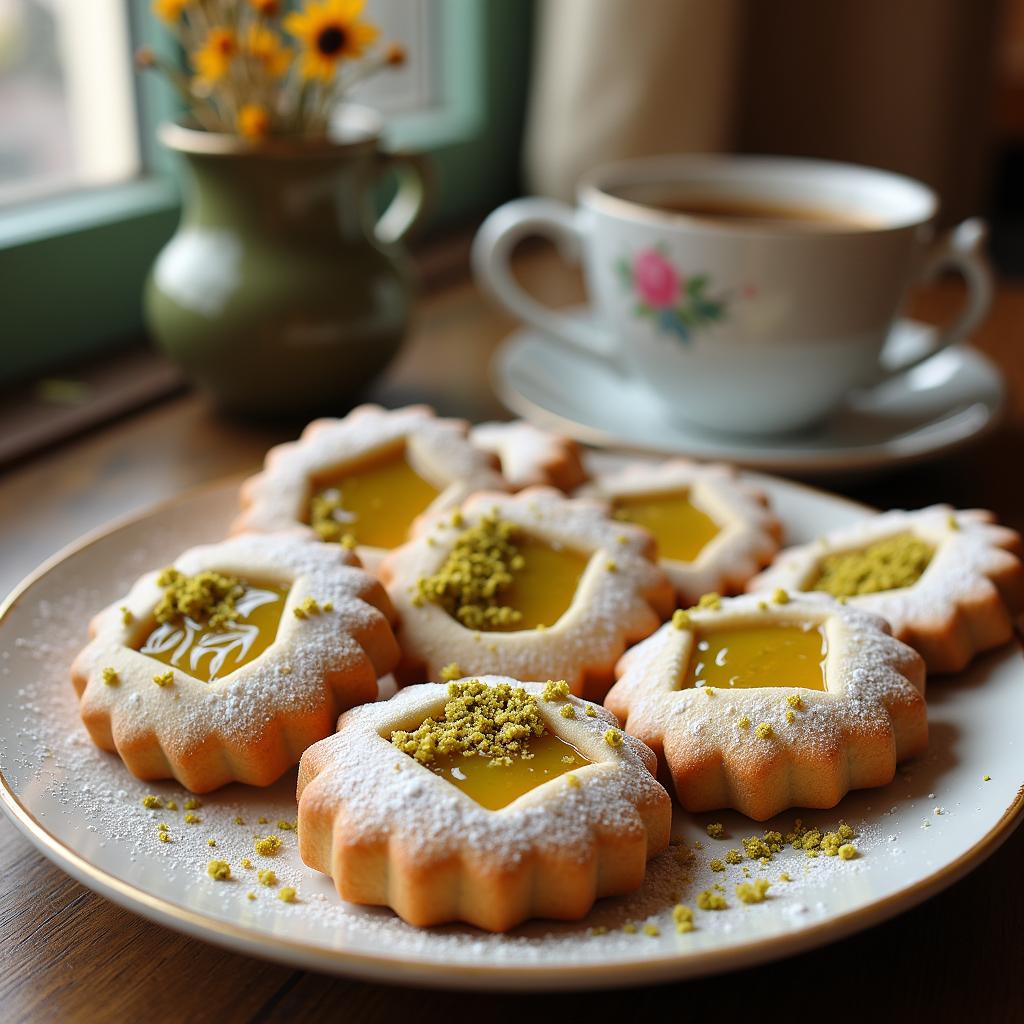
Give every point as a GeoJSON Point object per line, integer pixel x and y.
{"type": "Point", "coordinates": [330, 31]}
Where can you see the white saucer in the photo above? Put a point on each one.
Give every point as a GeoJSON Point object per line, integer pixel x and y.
{"type": "Point", "coordinates": [951, 399]}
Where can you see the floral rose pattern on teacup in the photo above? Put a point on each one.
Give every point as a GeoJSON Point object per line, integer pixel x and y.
{"type": "Point", "coordinates": [677, 304]}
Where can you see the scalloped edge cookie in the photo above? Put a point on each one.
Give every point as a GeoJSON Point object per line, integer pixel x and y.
{"type": "Point", "coordinates": [253, 724]}
{"type": "Point", "coordinates": [849, 737]}
{"type": "Point", "coordinates": [749, 534]}
{"type": "Point", "coordinates": [964, 603]}
{"type": "Point", "coordinates": [439, 449]}
{"type": "Point", "coordinates": [530, 456]}
{"type": "Point", "coordinates": [622, 596]}
{"type": "Point", "coordinates": [392, 833]}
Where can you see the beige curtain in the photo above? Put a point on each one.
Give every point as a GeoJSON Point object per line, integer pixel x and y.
{"type": "Point", "coordinates": [901, 84]}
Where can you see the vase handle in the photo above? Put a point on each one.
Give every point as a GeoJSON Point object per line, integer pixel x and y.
{"type": "Point", "coordinates": [412, 199]}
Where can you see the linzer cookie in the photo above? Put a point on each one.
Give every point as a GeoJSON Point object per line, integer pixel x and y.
{"type": "Point", "coordinates": [530, 456]}
{"type": "Point", "coordinates": [533, 585]}
{"type": "Point", "coordinates": [765, 702]}
{"type": "Point", "coordinates": [950, 583]}
{"type": "Point", "coordinates": [488, 801]}
{"type": "Point", "coordinates": [362, 481]}
{"type": "Point", "coordinates": [225, 666]}
{"type": "Point", "coordinates": [714, 531]}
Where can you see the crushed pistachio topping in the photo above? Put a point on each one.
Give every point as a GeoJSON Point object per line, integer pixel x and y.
{"type": "Point", "coordinates": [567, 711]}
{"type": "Point", "coordinates": [590, 712]}
{"type": "Point", "coordinates": [709, 691]}
{"type": "Point", "coordinates": [211, 842]}
{"type": "Point", "coordinates": [780, 596]}
{"type": "Point", "coordinates": [555, 690]}
{"type": "Point", "coordinates": [126, 616]}
{"type": "Point", "coordinates": [267, 846]}
{"type": "Point", "coordinates": [152, 802]}
{"type": "Point", "coordinates": [598, 929]}
{"type": "Point", "coordinates": [238, 819]}
{"type": "Point", "coordinates": [220, 870]}
{"type": "Point", "coordinates": [451, 672]}
{"type": "Point", "coordinates": [164, 837]}
{"type": "Point", "coordinates": [261, 820]}
{"type": "Point", "coordinates": [717, 865]}
{"type": "Point", "coordinates": [715, 829]}
{"type": "Point", "coordinates": [285, 825]}
{"type": "Point", "coordinates": [487, 721]}
{"type": "Point", "coordinates": [193, 803]}
{"type": "Point", "coordinates": [170, 805]}
{"type": "Point", "coordinates": [711, 900]}
{"type": "Point", "coordinates": [110, 676]}
{"type": "Point", "coordinates": [681, 619]}
{"type": "Point", "coordinates": [952, 522]}
{"type": "Point", "coordinates": [763, 731]}
{"type": "Point", "coordinates": [193, 819]}
{"type": "Point", "coordinates": [286, 894]}
{"type": "Point", "coordinates": [733, 856]}
{"type": "Point", "coordinates": [163, 826]}
{"type": "Point", "coordinates": [613, 737]}
{"type": "Point", "coordinates": [753, 892]}
{"type": "Point", "coordinates": [652, 929]}
{"type": "Point", "coordinates": [246, 863]}
{"type": "Point", "coordinates": [250, 895]}
{"type": "Point", "coordinates": [267, 877]}
{"type": "Point", "coordinates": [611, 565]}
{"type": "Point", "coordinates": [164, 679]}
{"type": "Point", "coordinates": [712, 601]}
{"type": "Point", "coordinates": [682, 916]}
{"type": "Point", "coordinates": [794, 700]}
{"type": "Point", "coordinates": [791, 717]}
{"type": "Point", "coordinates": [207, 596]}
{"type": "Point", "coordinates": [889, 564]}
{"type": "Point", "coordinates": [479, 569]}
{"type": "Point", "coordinates": [572, 781]}
{"type": "Point", "coordinates": [986, 778]}
{"type": "Point", "coordinates": [784, 877]}
{"type": "Point", "coordinates": [744, 722]}
{"type": "Point", "coordinates": [629, 928]}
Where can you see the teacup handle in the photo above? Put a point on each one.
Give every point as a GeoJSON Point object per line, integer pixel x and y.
{"type": "Point", "coordinates": [498, 236]}
{"type": "Point", "coordinates": [962, 249]}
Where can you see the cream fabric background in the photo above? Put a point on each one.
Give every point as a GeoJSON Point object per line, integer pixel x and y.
{"type": "Point", "coordinates": [901, 84]}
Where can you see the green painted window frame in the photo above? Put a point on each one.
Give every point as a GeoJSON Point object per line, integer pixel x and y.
{"type": "Point", "coordinates": [72, 267]}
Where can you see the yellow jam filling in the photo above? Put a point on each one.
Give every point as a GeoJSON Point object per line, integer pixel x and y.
{"type": "Point", "coordinates": [491, 742]}
{"type": "Point", "coordinates": [373, 502]}
{"type": "Point", "coordinates": [498, 578]}
{"type": "Point", "coordinates": [890, 564]}
{"type": "Point", "coordinates": [496, 786]}
{"type": "Point", "coordinates": [681, 529]}
{"type": "Point", "coordinates": [210, 642]}
{"type": "Point", "coordinates": [751, 656]}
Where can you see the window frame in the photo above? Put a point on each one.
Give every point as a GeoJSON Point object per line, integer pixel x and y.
{"type": "Point", "coordinates": [73, 266]}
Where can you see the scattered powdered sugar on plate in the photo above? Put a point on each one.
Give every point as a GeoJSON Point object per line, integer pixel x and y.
{"type": "Point", "coordinates": [91, 805]}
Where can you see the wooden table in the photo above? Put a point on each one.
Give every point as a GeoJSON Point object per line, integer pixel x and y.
{"type": "Point", "coordinates": [67, 954]}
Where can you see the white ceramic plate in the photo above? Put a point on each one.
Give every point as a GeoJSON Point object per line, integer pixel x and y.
{"type": "Point", "coordinates": [940, 405]}
{"type": "Point", "coordinates": [83, 811]}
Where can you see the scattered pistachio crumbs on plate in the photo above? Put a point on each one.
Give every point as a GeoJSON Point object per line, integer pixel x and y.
{"type": "Point", "coordinates": [711, 900]}
{"type": "Point", "coordinates": [192, 804]}
{"type": "Point", "coordinates": [193, 819]}
{"type": "Point", "coordinates": [753, 892]}
{"type": "Point", "coordinates": [715, 829]}
{"type": "Point", "coordinates": [268, 846]}
{"type": "Point", "coordinates": [682, 915]}
{"type": "Point", "coordinates": [152, 802]}
{"type": "Point", "coordinates": [267, 876]}
{"type": "Point", "coordinates": [286, 894]}
{"type": "Point", "coordinates": [219, 870]}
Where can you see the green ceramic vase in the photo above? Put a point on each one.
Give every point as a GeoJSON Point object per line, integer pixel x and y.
{"type": "Point", "coordinates": [282, 292]}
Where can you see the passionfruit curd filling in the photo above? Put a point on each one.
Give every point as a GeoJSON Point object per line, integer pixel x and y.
{"type": "Point", "coordinates": [499, 578]}
{"type": "Point", "coordinates": [491, 742]}
{"type": "Point", "coordinates": [210, 624]}
{"type": "Point", "coordinates": [372, 502]}
{"type": "Point", "coordinates": [681, 529]}
{"type": "Point", "coordinates": [742, 657]}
